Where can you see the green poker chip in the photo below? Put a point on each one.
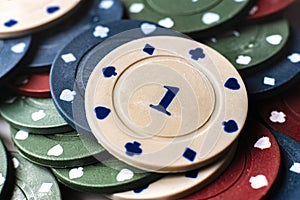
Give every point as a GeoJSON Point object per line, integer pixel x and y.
{"type": "Point", "coordinates": [35, 182]}
{"type": "Point", "coordinates": [252, 45]}
{"type": "Point", "coordinates": [35, 115]}
{"type": "Point", "coordinates": [109, 176]}
{"type": "Point", "coordinates": [57, 150]}
{"type": "Point", "coordinates": [187, 16]}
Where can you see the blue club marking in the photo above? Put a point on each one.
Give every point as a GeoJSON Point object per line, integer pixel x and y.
{"type": "Point", "coordinates": [133, 148]}
{"type": "Point", "coordinates": [197, 53]}
{"type": "Point", "coordinates": [166, 100]}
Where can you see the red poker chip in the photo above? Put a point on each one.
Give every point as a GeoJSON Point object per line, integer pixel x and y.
{"type": "Point", "coordinates": [34, 85]}
{"type": "Point", "coordinates": [283, 113]}
{"type": "Point", "coordinates": [264, 8]}
{"type": "Point", "coordinates": [253, 171]}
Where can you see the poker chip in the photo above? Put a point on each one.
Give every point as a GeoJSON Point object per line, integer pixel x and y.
{"type": "Point", "coordinates": [51, 41]}
{"type": "Point", "coordinates": [187, 16]}
{"type": "Point", "coordinates": [282, 112]}
{"type": "Point", "coordinates": [253, 171]}
{"type": "Point", "coordinates": [20, 18]}
{"type": "Point", "coordinates": [264, 8]}
{"type": "Point", "coordinates": [275, 77]}
{"type": "Point", "coordinates": [35, 115]}
{"type": "Point", "coordinates": [137, 80]}
{"type": "Point", "coordinates": [252, 45]}
{"type": "Point", "coordinates": [13, 50]}
{"type": "Point", "coordinates": [32, 85]}
{"type": "Point", "coordinates": [109, 176]}
{"type": "Point", "coordinates": [34, 181]}
{"type": "Point", "coordinates": [289, 184]}
{"type": "Point", "coordinates": [59, 150]}
{"type": "Point", "coordinates": [75, 67]}
{"type": "Point", "coordinates": [175, 186]}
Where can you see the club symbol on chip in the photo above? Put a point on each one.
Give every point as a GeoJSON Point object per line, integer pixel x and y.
{"type": "Point", "coordinates": [109, 71]}
{"type": "Point", "coordinates": [133, 149]}
{"type": "Point", "coordinates": [233, 84]}
{"type": "Point", "coordinates": [102, 112]}
{"type": "Point", "coordinates": [10, 23]}
{"type": "Point", "coordinates": [149, 49]}
{"type": "Point", "coordinates": [230, 126]}
{"type": "Point", "coordinates": [52, 9]}
{"type": "Point", "coordinates": [140, 189]}
{"type": "Point", "coordinates": [197, 53]}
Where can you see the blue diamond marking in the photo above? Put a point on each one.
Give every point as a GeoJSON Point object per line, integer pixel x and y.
{"type": "Point", "coordinates": [149, 49]}
{"type": "Point", "coordinates": [230, 126]}
{"type": "Point", "coordinates": [140, 189]}
{"type": "Point", "coordinates": [133, 149]}
{"type": "Point", "coordinates": [232, 84]}
{"type": "Point", "coordinates": [10, 23]}
{"type": "Point", "coordinates": [197, 53]}
{"type": "Point", "coordinates": [52, 9]}
{"type": "Point", "coordinates": [102, 112]}
{"type": "Point", "coordinates": [109, 71]}
{"type": "Point", "coordinates": [192, 174]}
{"type": "Point", "coordinates": [189, 154]}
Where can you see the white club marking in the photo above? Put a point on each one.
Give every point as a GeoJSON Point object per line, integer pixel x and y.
{"type": "Point", "coordinates": [124, 174]}
{"type": "Point", "coordinates": [274, 39]}
{"type": "Point", "coordinates": [243, 60]}
{"type": "Point", "coordinates": [148, 28]}
{"type": "Point", "coordinates": [16, 162]}
{"type": "Point", "coordinates": [76, 173]}
{"type": "Point", "coordinates": [106, 4]}
{"type": "Point", "coordinates": [295, 168]}
{"type": "Point", "coordinates": [277, 117]}
{"type": "Point", "coordinates": [294, 57]}
{"type": "Point", "coordinates": [263, 143]}
{"type": "Point", "coordinates": [67, 95]}
{"type": "Point", "coordinates": [269, 81]}
{"type": "Point", "coordinates": [21, 135]}
{"type": "Point", "coordinates": [101, 31]}
{"type": "Point", "coordinates": [166, 22]}
{"type": "Point", "coordinates": [18, 48]}
{"type": "Point", "coordinates": [37, 116]}
{"type": "Point", "coordinates": [210, 18]}
{"type": "Point", "coordinates": [136, 7]}
{"type": "Point", "coordinates": [45, 188]}
{"type": "Point", "coordinates": [68, 58]}
{"type": "Point", "coordinates": [57, 150]}
{"type": "Point", "coordinates": [2, 179]}
{"type": "Point", "coordinates": [258, 181]}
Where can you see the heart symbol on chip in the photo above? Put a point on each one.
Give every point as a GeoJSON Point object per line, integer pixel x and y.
{"type": "Point", "coordinates": [2, 179]}
{"type": "Point", "coordinates": [233, 84]}
{"type": "Point", "coordinates": [243, 60]}
{"type": "Point", "coordinates": [166, 22]}
{"type": "Point", "coordinates": [76, 173]}
{"type": "Point", "coordinates": [294, 58]}
{"type": "Point", "coordinates": [36, 116]}
{"type": "Point", "coordinates": [102, 112]}
{"type": "Point", "coordinates": [21, 135]}
{"type": "Point", "coordinates": [274, 39]}
{"type": "Point", "coordinates": [57, 150]}
{"type": "Point", "coordinates": [148, 28]}
{"type": "Point", "coordinates": [258, 181]}
{"type": "Point", "coordinates": [124, 175]}
{"type": "Point", "coordinates": [277, 117]}
{"type": "Point", "coordinates": [209, 18]}
{"type": "Point", "coordinates": [67, 95]}
{"type": "Point", "coordinates": [18, 48]}
{"type": "Point", "coordinates": [263, 143]}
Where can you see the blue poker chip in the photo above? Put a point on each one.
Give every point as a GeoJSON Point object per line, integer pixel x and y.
{"type": "Point", "coordinates": [48, 43]}
{"type": "Point", "coordinates": [12, 52]}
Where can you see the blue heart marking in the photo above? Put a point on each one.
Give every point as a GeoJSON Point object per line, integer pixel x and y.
{"type": "Point", "coordinates": [233, 84]}
{"type": "Point", "coordinates": [197, 53]}
{"type": "Point", "coordinates": [10, 23]}
{"type": "Point", "coordinates": [52, 9]}
{"type": "Point", "coordinates": [102, 112]}
{"type": "Point", "coordinates": [133, 149]}
{"type": "Point", "coordinates": [109, 71]}
{"type": "Point", "coordinates": [230, 126]}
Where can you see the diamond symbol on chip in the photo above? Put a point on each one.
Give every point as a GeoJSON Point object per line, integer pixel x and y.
{"type": "Point", "coordinates": [45, 187]}
{"type": "Point", "coordinates": [101, 31]}
{"type": "Point", "coordinates": [166, 22]}
{"type": "Point", "coordinates": [136, 7]}
{"type": "Point", "coordinates": [209, 18]}
{"type": "Point", "coordinates": [197, 53]}
{"type": "Point", "coordinates": [67, 58]}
